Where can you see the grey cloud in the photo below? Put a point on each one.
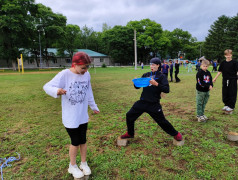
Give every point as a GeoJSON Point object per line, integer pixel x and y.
{"type": "Point", "coordinates": [195, 16]}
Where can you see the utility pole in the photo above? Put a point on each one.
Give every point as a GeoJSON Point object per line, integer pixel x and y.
{"type": "Point", "coordinates": [40, 51]}
{"type": "Point", "coordinates": [39, 26]}
{"type": "Point", "coordinates": [200, 50]}
{"type": "Point", "coordinates": [135, 49]}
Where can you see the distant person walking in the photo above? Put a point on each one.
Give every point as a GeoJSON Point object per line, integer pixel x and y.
{"type": "Point", "coordinates": [165, 69]}
{"type": "Point", "coordinates": [190, 67]}
{"type": "Point", "coordinates": [214, 64]}
{"type": "Point", "coordinates": [228, 69]}
{"type": "Point", "coordinates": [171, 67]}
{"type": "Point", "coordinates": [142, 65]}
{"type": "Point", "coordinates": [177, 71]}
{"type": "Point", "coordinates": [198, 65]}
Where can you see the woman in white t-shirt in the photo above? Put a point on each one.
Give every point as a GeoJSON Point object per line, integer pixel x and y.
{"type": "Point", "coordinates": [75, 89]}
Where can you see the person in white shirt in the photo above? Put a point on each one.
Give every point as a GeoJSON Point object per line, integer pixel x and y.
{"type": "Point", "coordinates": [75, 89]}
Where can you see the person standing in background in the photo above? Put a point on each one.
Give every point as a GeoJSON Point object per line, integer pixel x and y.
{"type": "Point", "coordinates": [171, 67]}
{"type": "Point", "coordinates": [177, 71]}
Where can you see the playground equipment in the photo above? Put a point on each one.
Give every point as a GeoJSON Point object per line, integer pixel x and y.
{"type": "Point", "coordinates": [20, 64]}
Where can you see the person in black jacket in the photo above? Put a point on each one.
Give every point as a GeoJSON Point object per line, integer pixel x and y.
{"type": "Point", "coordinates": [150, 103]}
{"type": "Point", "coordinates": [171, 67]}
{"type": "Point", "coordinates": [203, 86]}
{"type": "Point", "coordinates": [229, 70]}
{"type": "Point", "coordinates": [177, 71]}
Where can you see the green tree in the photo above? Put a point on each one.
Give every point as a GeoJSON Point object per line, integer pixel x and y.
{"type": "Point", "coordinates": [70, 40]}
{"type": "Point", "coordinates": [105, 27]}
{"type": "Point", "coordinates": [232, 36]}
{"type": "Point", "coordinates": [51, 27]}
{"type": "Point", "coordinates": [119, 44]}
{"type": "Point", "coordinates": [93, 41]}
{"type": "Point", "coordinates": [216, 41]}
{"type": "Point", "coordinates": [149, 37]}
{"type": "Point", "coordinates": [179, 40]}
{"type": "Point", "coordinates": [86, 33]}
{"type": "Point", "coordinates": [16, 19]}
{"type": "Point", "coordinates": [192, 51]}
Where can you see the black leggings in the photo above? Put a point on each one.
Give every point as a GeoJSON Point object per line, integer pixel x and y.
{"type": "Point", "coordinates": [78, 135]}
{"type": "Point", "coordinates": [154, 110]}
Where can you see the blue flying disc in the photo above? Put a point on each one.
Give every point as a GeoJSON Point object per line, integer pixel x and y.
{"type": "Point", "coordinates": [141, 82]}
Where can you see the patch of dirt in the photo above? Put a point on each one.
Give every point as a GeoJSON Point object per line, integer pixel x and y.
{"type": "Point", "coordinates": [180, 111]}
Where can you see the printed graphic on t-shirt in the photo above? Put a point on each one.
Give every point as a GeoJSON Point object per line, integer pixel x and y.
{"type": "Point", "coordinates": [206, 79]}
{"type": "Point", "coordinates": [77, 92]}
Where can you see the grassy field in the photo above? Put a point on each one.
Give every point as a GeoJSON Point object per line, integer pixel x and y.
{"type": "Point", "coordinates": [30, 124]}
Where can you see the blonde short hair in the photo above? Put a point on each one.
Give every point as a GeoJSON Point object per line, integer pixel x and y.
{"type": "Point", "coordinates": [205, 62]}
{"type": "Point", "coordinates": [227, 51]}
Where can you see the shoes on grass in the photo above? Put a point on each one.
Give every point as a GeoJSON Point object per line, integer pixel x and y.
{"type": "Point", "coordinates": [125, 136]}
{"type": "Point", "coordinates": [224, 108]}
{"type": "Point", "coordinates": [201, 118]}
{"type": "Point", "coordinates": [75, 171]}
{"type": "Point", "coordinates": [85, 168]}
{"type": "Point", "coordinates": [228, 109]}
{"type": "Point", "coordinates": [205, 117]}
{"type": "Point", "coordinates": [178, 137]}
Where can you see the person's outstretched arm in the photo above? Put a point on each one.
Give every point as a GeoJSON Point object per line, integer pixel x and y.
{"type": "Point", "coordinates": [215, 78]}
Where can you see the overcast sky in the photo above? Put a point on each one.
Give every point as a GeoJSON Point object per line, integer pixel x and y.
{"type": "Point", "coordinates": [194, 16]}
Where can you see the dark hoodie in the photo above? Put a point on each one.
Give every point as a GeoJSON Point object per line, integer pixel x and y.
{"type": "Point", "coordinates": [204, 80]}
{"type": "Point", "coordinates": [152, 93]}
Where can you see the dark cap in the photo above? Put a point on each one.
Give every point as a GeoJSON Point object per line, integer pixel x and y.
{"type": "Point", "coordinates": [81, 58]}
{"type": "Point", "coordinates": [155, 60]}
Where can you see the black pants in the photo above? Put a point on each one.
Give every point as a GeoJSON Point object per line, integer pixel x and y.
{"type": "Point", "coordinates": [171, 75]}
{"type": "Point", "coordinates": [214, 69]}
{"type": "Point", "coordinates": [229, 92]}
{"type": "Point", "coordinates": [176, 76]}
{"type": "Point", "coordinates": [154, 110]}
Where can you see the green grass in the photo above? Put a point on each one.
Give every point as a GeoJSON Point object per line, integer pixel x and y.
{"type": "Point", "coordinates": [30, 124]}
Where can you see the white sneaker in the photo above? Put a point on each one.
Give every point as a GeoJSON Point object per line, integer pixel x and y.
{"type": "Point", "coordinates": [201, 119]}
{"type": "Point", "coordinates": [224, 108]}
{"type": "Point", "coordinates": [205, 117]}
{"type": "Point", "coordinates": [75, 171]}
{"type": "Point", "coordinates": [228, 109]}
{"type": "Point", "coordinates": [86, 170]}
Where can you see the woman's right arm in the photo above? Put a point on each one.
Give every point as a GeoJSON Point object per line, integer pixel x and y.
{"type": "Point", "coordinates": [215, 78]}
{"type": "Point", "coordinates": [55, 87]}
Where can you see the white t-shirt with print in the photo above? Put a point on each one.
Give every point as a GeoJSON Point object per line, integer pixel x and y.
{"type": "Point", "coordinates": [78, 97]}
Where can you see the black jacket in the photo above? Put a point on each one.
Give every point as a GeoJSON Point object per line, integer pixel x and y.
{"type": "Point", "coordinates": [152, 93]}
{"type": "Point", "coordinates": [176, 67]}
{"type": "Point", "coordinates": [204, 80]}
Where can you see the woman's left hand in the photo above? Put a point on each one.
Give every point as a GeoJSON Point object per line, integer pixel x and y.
{"type": "Point", "coordinates": [153, 82]}
{"type": "Point", "coordinates": [96, 112]}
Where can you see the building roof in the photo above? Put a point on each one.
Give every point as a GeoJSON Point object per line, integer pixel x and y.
{"type": "Point", "coordinates": [88, 51]}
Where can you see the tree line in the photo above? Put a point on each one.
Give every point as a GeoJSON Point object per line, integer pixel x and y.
{"type": "Point", "coordinates": [25, 24]}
